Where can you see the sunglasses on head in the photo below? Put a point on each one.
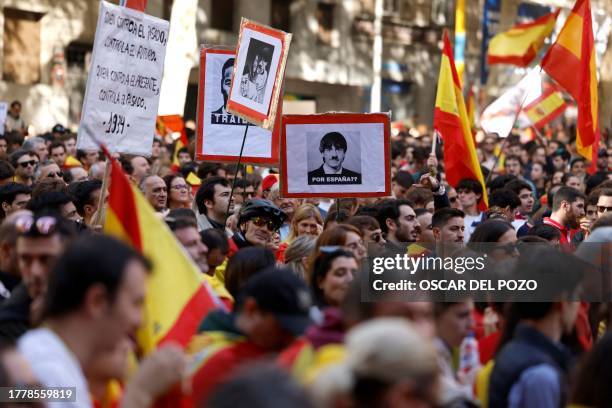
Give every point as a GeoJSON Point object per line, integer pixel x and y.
{"type": "Point", "coordinates": [28, 163]}
{"type": "Point", "coordinates": [263, 222]}
{"type": "Point", "coordinates": [27, 224]}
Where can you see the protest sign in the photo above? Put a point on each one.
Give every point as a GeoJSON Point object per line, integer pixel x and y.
{"type": "Point", "coordinates": [124, 82]}
{"type": "Point", "coordinates": [3, 112]}
{"type": "Point", "coordinates": [335, 155]}
{"type": "Point", "coordinates": [258, 73]}
{"type": "Point", "coordinates": [220, 133]}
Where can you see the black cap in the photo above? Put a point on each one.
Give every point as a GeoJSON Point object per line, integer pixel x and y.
{"type": "Point", "coordinates": [280, 292]}
{"type": "Point", "coordinates": [58, 129]}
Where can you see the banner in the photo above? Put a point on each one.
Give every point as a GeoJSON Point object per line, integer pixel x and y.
{"type": "Point", "coordinates": [123, 87]}
{"type": "Point", "coordinates": [220, 133]}
{"type": "Point", "coordinates": [335, 155]}
{"type": "Point", "coordinates": [258, 73]}
{"type": "Point", "coordinates": [3, 112]}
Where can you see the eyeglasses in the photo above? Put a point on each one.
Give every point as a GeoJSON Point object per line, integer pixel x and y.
{"type": "Point", "coordinates": [328, 249]}
{"type": "Point", "coordinates": [28, 163]}
{"type": "Point", "coordinates": [180, 187]}
{"type": "Point", "coordinates": [376, 238]}
{"type": "Point", "coordinates": [44, 225]}
{"type": "Point", "coordinates": [452, 199]}
{"type": "Point", "coordinates": [262, 222]}
{"type": "Point", "coordinates": [603, 208]}
{"type": "Point", "coordinates": [58, 174]}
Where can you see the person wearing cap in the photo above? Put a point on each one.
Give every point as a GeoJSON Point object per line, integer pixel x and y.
{"type": "Point", "coordinates": [266, 185]}
{"type": "Point", "coordinates": [271, 310]}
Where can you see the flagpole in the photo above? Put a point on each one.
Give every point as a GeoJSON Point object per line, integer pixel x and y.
{"type": "Point", "coordinates": [229, 203]}
{"type": "Point", "coordinates": [99, 218]}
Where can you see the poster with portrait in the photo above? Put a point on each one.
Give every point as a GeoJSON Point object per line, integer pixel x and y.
{"type": "Point", "coordinates": [220, 133]}
{"type": "Point", "coordinates": [335, 155]}
{"type": "Point", "coordinates": [258, 73]}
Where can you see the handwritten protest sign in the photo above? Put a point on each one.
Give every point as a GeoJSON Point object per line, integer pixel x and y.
{"type": "Point", "coordinates": [3, 112]}
{"type": "Point", "coordinates": [124, 81]}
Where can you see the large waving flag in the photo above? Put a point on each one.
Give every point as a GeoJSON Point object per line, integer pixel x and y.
{"type": "Point", "coordinates": [520, 44]}
{"type": "Point", "coordinates": [451, 121]}
{"type": "Point", "coordinates": [177, 298]}
{"type": "Point", "coordinates": [571, 62]}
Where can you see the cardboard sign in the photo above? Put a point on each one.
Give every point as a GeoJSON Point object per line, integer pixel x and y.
{"type": "Point", "coordinates": [258, 73]}
{"type": "Point", "coordinates": [123, 87]}
{"type": "Point", "coordinates": [220, 133]}
{"type": "Point", "coordinates": [335, 155]}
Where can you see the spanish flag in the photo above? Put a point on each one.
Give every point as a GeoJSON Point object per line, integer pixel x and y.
{"type": "Point", "coordinates": [177, 297]}
{"type": "Point", "coordinates": [520, 45]}
{"type": "Point", "coordinates": [451, 121]}
{"type": "Point", "coordinates": [571, 62]}
{"type": "Point", "coordinates": [174, 123]}
{"type": "Point", "coordinates": [545, 108]}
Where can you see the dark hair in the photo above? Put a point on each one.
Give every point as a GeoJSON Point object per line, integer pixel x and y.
{"type": "Point", "coordinates": [420, 196]}
{"type": "Point", "coordinates": [548, 232]}
{"type": "Point", "coordinates": [179, 223]}
{"type": "Point", "coordinates": [49, 185]}
{"type": "Point", "coordinates": [207, 191]}
{"type": "Point", "coordinates": [404, 179]}
{"type": "Point", "coordinates": [182, 213]}
{"type": "Point", "coordinates": [55, 145]}
{"type": "Point", "coordinates": [6, 170]}
{"type": "Point", "coordinates": [48, 201]}
{"type": "Point", "coordinates": [126, 162]}
{"type": "Point", "coordinates": [591, 387]}
{"type": "Point", "coordinates": [214, 238]}
{"type": "Point", "coordinates": [503, 198]}
{"type": "Point", "coordinates": [9, 192]}
{"type": "Point", "coordinates": [489, 231]}
{"type": "Point", "coordinates": [500, 182]}
{"type": "Point", "coordinates": [206, 170]}
{"type": "Point", "coordinates": [244, 264]}
{"type": "Point", "coordinates": [320, 268]}
{"type": "Point", "coordinates": [88, 261]}
{"type": "Point", "coordinates": [82, 193]}
{"type": "Point", "coordinates": [390, 209]}
{"type": "Point", "coordinates": [604, 221]}
{"type": "Point", "coordinates": [513, 157]}
{"type": "Point", "coordinates": [568, 194]}
{"type": "Point", "coordinates": [517, 185]}
{"type": "Point", "coordinates": [242, 183]}
{"type": "Point", "coordinates": [364, 222]}
{"type": "Point", "coordinates": [561, 152]}
{"type": "Point", "coordinates": [337, 216]}
{"type": "Point", "coordinates": [18, 154]}
{"type": "Point", "coordinates": [444, 215]}
{"type": "Point", "coordinates": [592, 182]}
{"type": "Point", "coordinates": [334, 139]}
{"type": "Point", "coordinates": [469, 185]}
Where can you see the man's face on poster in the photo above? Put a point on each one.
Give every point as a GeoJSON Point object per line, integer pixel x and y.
{"type": "Point", "coordinates": [227, 81]}
{"type": "Point", "coordinates": [260, 65]}
{"type": "Point", "coordinates": [333, 156]}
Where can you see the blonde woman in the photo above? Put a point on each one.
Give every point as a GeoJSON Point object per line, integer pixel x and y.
{"type": "Point", "coordinates": [306, 221]}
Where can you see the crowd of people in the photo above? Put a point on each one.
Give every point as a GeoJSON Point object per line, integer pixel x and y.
{"type": "Point", "coordinates": [293, 328]}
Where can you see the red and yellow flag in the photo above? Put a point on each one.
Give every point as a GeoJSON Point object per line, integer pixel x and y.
{"type": "Point", "coordinates": [571, 62]}
{"type": "Point", "coordinates": [177, 296]}
{"type": "Point", "coordinates": [451, 121]}
{"type": "Point", "coordinates": [139, 5]}
{"type": "Point", "coordinates": [520, 44]}
{"type": "Point", "coordinates": [545, 108]}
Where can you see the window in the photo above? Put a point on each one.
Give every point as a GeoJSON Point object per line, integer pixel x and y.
{"type": "Point", "coordinates": [325, 20]}
{"type": "Point", "coordinates": [281, 14]}
{"type": "Point", "coordinates": [21, 46]}
{"type": "Point", "coordinates": [222, 15]}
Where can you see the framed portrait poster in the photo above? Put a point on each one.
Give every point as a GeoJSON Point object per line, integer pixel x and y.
{"type": "Point", "coordinates": [335, 155]}
{"type": "Point", "coordinates": [220, 133]}
{"type": "Point", "coordinates": [259, 69]}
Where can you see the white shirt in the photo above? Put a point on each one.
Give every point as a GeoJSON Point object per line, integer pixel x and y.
{"type": "Point", "coordinates": [468, 222]}
{"type": "Point", "coordinates": [54, 365]}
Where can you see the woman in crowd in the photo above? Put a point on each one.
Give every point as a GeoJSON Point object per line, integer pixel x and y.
{"type": "Point", "coordinates": [297, 254]}
{"type": "Point", "coordinates": [496, 238]}
{"type": "Point", "coordinates": [178, 192]}
{"type": "Point", "coordinates": [306, 221]}
{"type": "Point", "coordinates": [346, 236]}
{"type": "Point", "coordinates": [331, 275]}
{"type": "Point", "coordinates": [244, 264]}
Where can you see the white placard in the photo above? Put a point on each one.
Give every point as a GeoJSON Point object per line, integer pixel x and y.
{"type": "Point", "coordinates": [220, 137]}
{"type": "Point", "coordinates": [124, 83]}
{"type": "Point", "coordinates": [3, 111]}
{"type": "Point", "coordinates": [362, 163]}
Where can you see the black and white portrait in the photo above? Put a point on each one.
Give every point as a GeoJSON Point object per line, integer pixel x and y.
{"type": "Point", "coordinates": [221, 116]}
{"type": "Point", "coordinates": [336, 160]}
{"type": "Point", "coordinates": [256, 70]}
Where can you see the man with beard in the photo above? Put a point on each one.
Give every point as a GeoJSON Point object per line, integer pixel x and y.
{"type": "Point", "coordinates": [567, 210]}
{"type": "Point", "coordinates": [333, 151]}
{"type": "Point", "coordinates": [398, 222]}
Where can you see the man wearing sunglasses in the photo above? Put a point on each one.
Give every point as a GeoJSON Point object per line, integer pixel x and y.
{"type": "Point", "coordinates": [50, 170]}
{"type": "Point", "coordinates": [41, 239]}
{"type": "Point", "coordinates": [604, 203]}
{"type": "Point", "coordinates": [25, 164]}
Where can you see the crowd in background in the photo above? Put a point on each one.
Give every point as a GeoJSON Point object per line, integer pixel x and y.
{"type": "Point", "coordinates": [295, 330]}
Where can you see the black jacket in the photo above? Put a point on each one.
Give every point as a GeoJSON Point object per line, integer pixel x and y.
{"type": "Point", "coordinates": [15, 314]}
